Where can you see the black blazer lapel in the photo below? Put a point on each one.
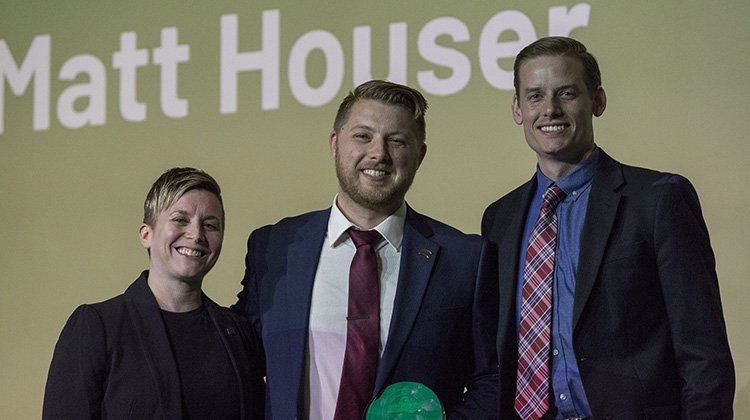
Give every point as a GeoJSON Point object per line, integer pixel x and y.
{"type": "Point", "coordinates": [154, 342]}
{"type": "Point", "coordinates": [600, 217]}
{"type": "Point", "coordinates": [418, 256]}
{"type": "Point", "coordinates": [235, 348]}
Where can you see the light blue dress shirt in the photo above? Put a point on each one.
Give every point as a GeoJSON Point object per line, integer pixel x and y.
{"type": "Point", "coordinates": [568, 394]}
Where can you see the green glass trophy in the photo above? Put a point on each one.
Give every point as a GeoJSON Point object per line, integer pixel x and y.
{"type": "Point", "coordinates": [408, 401]}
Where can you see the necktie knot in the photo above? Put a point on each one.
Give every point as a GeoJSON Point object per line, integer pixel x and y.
{"type": "Point", "coordinates": [364, 237]}
{"type": "Point", "coordinates": [553, 196]}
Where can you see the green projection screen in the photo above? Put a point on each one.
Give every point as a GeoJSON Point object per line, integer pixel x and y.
{"type": "Point", "coordinates": [99, 98]}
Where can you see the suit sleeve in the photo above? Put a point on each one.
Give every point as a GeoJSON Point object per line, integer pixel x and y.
{"type": "Point", "coordinates": [252, 369]}
{"type": "Point", "coordinates": [247, 299]}
{"type": "Point", "coordinates": [77, 374]}
{"type": "Point", "coordinates": [690, 287]}
{"type": "Point", "coordinates": [488, 219]}
{"type": "Point", "coordinates": [481, 398]}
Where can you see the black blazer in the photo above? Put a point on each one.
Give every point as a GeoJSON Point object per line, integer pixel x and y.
{"type": "Point", "coordinates": [444, 322]}
{"type": "Point", "coordinates": [114, 361]}
{"type": "Point", "coordinates": [648, 329]}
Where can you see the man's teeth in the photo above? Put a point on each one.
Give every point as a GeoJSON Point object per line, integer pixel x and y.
{"type": "Point", "coordinates": [552, 127]}
{"type": "Point", "coordinates": [190, 252]}
{"type": "Point", "coordinates": [374, 172]}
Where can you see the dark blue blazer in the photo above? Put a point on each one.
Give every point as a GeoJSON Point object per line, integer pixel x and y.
{"type": "Point", "coordinates": [648, 329]}
{"type": "Point", "coordinates": [444, 323]}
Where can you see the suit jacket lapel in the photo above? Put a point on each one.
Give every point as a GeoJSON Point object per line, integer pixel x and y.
{"type": "Point", "coordinates": [299, 278]}
{"type": "Point", "coordinates": [600, 216]}
{"type": "Point", "coordinates": [508, 231]}
{"type": "Point", "coordinates": [418, 256]}
{"type": "Point", "coordinates": [149, 326]}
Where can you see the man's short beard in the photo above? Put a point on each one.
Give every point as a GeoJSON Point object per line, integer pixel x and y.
{"type": "Point", "coordinates": [389, 199]}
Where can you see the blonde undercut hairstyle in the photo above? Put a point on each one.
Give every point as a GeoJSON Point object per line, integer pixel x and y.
{"type": "Point", "coordinates": [172, 185]}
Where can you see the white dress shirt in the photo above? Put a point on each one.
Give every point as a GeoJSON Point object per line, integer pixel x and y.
{"type": "Point", "coordinates": [329, 306]}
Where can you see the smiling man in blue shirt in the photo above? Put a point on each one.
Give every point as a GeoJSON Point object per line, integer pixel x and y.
{"type": "Point", "coordinates": [629, 324]}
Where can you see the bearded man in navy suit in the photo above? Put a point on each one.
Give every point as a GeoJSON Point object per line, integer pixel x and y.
{"type": "Point", "coordinates": [437, 286]}
{"type": "Point", "coordinates": [637, 330]}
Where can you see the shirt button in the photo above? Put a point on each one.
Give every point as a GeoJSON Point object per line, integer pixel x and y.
{"type": "Point", "coordinates": [563, 397]}
{"type": "Point", "coordinates": [555, 352]}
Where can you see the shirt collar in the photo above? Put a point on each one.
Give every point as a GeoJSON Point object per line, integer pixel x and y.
{"type": "Point", "coordinates": [575, 182]}
{"type": "Point", "coordinates": [392, 228]}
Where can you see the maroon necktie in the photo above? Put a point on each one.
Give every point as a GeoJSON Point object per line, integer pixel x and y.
{"type": "Point", "coordinates": [362, 329]}
{"type": "Point", "coordinates": [533, 375]}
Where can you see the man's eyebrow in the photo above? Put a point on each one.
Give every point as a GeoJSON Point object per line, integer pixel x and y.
{"type": "Point", "coordinates": [362, 126]}
{"type": "Point", "coordinates": [528, 90]}
{"type": "Point", "coordinates": [536, 89]}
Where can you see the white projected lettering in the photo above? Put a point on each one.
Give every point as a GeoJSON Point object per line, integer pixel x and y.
{"type": "Point", "coordinates": [334, 76]}
{"type": "Point", "coordinates": [95, 91]}
{"type": "Point", "coordinates": [168, 56]}
{"type": "Point", "coordinates": [491, 51]}
{"type": "Point", "coordinates": [232, 62]}
{"type": "Point", "coordinates": [128, 60]}
{"type": "Point", "coordinates": [362, 54]}
{"type": "Point", "coordinates": [457, 62]}
{"type": "Point", "coordinates": [446, 65]}
{"type": "Point", "coordinates": [434, 44]}
{"type": "Point", "coordinates": [35, 66]}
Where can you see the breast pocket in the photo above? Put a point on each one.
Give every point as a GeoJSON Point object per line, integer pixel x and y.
{"type": "Point", "coordinates": [443, 314]}
{"type": "Point", "coordinates": [623, 251]}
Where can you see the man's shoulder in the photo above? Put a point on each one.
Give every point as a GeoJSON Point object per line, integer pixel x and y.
{"type": "Point", "coordinates": [645, 179]}
{"type": "Point", "coordinates": [651, 176]}
{"type": "Point", "coordinates": [439, 229]}
{"type": "Point", "coordinates": [292, 224]}
{"type": "Point", "coordinates": [510, 200]}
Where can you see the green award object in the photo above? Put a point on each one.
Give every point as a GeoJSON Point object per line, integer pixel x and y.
{"type": "Point", "coordinates": [406, 400]}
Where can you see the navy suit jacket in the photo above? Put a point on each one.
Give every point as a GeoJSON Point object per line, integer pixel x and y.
{"type": "Point", "coordinates": [648, 329]}
{"type": "Point", "coordinates": [444, 323]}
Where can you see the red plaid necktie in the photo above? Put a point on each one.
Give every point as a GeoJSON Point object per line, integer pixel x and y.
{"type": "Point", "coordinates": [533, 384]}
{"type": "Point", "coordinates": [362, 329]}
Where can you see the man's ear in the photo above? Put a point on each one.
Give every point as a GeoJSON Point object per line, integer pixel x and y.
{"type": "Point", "coordinates": [516, 110]}
{"type": "Point", "coordinates": [600, 102]}
{"type": "Point", "coordinates": [422, 152]}
{"type": "Point", "coordinates": [332, 139]}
